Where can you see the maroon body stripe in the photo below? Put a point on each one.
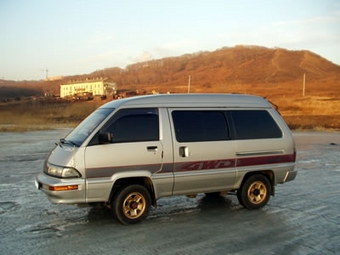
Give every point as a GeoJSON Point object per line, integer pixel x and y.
{"type": "Point", "coordinates": [194, 165]}
{"type": "Point", "coordinates": [264, 160]}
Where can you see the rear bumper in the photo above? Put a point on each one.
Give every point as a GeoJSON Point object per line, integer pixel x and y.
{"type": "Point", "coordinates": [61, 191]}
{"type": "Point", "coordinates": [290, 175]}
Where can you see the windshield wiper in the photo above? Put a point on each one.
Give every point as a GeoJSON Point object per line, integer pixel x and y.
{"type": "Point", "coordinates": [64, 141]}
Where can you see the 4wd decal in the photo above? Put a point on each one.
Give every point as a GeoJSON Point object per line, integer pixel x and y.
{"type": "Point", "coordinates": [211, 164]}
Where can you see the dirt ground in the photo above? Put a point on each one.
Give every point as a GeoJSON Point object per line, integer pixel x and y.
{"type": "Point", "coordinates": [302, 218]}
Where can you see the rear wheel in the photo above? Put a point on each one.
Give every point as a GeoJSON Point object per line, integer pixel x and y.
{"type": "Point", "coordinates": [254, 192]}
{"type": "Point", "coordinates": [131, 204]}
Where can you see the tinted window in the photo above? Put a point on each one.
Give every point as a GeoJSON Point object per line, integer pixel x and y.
{"type": "Point", "coordinates": [134, 125]}
{"type": "Point", "coordinates": [195, 126]}
{"type": "Point", "coordinates": [254, 124]}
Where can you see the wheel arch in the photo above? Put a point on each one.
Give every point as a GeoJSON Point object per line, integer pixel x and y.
{"type": "Point", "coordinates": [267, 173]}
{"type": "Point", "coordinates": [140, 180]}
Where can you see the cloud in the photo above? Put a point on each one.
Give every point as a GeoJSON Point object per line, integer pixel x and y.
{"type": "Point", "coordinates": [168, 49]}
{"type": "Point", "coordinates": [176, 48]}
{"type": "Point", "coordinates": [100, 60]}
{"type": "Point", "coordinates": [312, 32]}
{"type": "Point", "coordinates": [145, 56]}
{"type": "Point", "coordinates": [293, 34]}
{"type": "Point", "coordinates": [309, 22]}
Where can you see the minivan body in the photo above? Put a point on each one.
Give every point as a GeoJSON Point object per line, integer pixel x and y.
{"type": "Point", "coordinates": [131, 152]}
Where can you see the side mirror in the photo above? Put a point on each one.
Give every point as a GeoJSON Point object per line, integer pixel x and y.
{"type": "Point", "coordinates": [105, 138]}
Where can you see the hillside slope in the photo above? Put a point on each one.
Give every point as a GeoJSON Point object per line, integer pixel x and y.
{"type": "Point", "coordinates": [228, 67]}
{"type": "Point", "coordinates": [241, 69]}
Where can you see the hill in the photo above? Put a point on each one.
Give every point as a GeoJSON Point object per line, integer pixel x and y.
{"type": "Point", "coordinates": [241, 69]}
{"type": "Point", "coordinates": [276, 74]}
{"type": "Point", "coordinates": [230, 69]}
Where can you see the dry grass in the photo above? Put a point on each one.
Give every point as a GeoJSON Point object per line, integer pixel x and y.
{"type": "Point", "coordinates": [311, 112]}
{"type": "Point", "coordinates": [43, 114]}
{"type": "Point", "coordinates": [309, 105]}
{"type": "Point", "coordinates": [308, 112]}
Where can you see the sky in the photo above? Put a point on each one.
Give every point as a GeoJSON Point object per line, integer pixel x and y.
{"type": "Point", "coordinates": [70, 37]}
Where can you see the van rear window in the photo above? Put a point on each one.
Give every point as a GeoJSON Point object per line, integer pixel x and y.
{"type": "Point", "coordinates": [254, 124]}
{"type": "Point", "coordinates": [198, 126]}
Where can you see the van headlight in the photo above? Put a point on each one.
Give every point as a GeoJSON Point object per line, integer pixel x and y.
{"type": "Point", "coordinates": [61, 171]}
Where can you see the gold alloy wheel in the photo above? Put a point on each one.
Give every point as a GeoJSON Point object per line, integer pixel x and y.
{"type": "Point", "coordinates": [257, 192]}
{"type": "Point", "coordinates": [134, 205]}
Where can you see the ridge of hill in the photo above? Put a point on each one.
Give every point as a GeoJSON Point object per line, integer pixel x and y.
{"type": "Point", "coordinates": [241, 69]}
{"type": "Point", "coordinates": [238, 69]}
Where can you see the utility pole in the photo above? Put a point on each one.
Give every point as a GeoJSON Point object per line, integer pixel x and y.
{"type": "Point", "coordinates": [46, 71]}
{"type": "Point", "coordinates": [189, 84]}
{"type": "Point", "coordinates": [304, 85]}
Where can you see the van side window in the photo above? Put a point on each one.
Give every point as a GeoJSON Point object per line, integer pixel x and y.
{"type": "Point", "coordinates": [254, 124]}
{"type": "Point", "coordinates": [198, 126]}
{"type": "Point", "coordinates": [134, 125]}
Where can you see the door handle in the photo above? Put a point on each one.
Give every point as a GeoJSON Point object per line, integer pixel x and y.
{"type": "Point", "coordinates": [184, 151]}
{"type": "Point", "coordinates": [152, 148]}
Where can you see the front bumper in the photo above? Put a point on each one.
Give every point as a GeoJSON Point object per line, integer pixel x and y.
{"type": "Point", "coordinates": [57, 191]}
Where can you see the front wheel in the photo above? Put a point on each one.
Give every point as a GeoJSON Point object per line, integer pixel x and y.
{"type": "Point", "coordinates": [131, 204]}
{"type": "Point", "coordinates": [254, 192]}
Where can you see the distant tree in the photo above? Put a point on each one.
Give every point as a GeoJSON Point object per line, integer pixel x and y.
{"type": "Point", "coordinates": [17, 92]}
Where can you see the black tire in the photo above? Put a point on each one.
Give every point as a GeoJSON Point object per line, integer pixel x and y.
{"type": "Point", "coordinates": [239, 197]}
{"type": "Point", "coordinates": [131, 204]}
{"type": "Point", "coordinates": [254, 192]}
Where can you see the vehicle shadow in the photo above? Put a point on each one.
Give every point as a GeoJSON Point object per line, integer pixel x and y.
{"type": "Point", "coordinates": [216, 202]}
{"type": "Point", "coordinates": [172, 207]}
{"type": "Point", "coordinates": [100, 214]}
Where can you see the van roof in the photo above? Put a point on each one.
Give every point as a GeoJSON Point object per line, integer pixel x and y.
{"type": "Point", "coordinates": [190, 100]}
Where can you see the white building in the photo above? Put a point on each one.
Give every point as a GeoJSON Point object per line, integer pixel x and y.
{"type": "Point", "coordinates": [96, 86]}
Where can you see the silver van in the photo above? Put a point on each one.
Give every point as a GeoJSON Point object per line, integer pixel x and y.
{"type": "Point", "coordinates": [131, 152]}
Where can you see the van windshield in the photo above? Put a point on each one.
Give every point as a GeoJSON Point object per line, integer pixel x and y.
{"type": "Point", "coordinates": [85, 128]}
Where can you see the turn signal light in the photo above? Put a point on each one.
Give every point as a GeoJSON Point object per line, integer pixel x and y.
{"type": "Point", "coordinates": [63, 188]}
